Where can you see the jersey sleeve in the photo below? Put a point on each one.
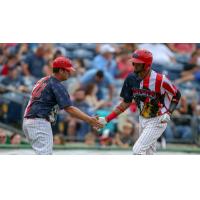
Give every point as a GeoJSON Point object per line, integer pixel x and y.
{"type": "Point", "coordinates": [61, 95]}
{"type": "Point", "coordinates": [126, 92]}
{"type": "Point", "coordinates": [168, 87]}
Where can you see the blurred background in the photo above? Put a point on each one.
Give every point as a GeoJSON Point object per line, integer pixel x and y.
{"type": "Point", "coordinates": [94, 88]}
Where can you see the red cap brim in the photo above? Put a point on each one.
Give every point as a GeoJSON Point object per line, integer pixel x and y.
{"type": "Point", "coordinates": [72, 69]}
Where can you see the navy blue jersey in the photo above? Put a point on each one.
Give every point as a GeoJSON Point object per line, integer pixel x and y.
{"type": "Point", "coordinates": [48, 94]}
{"type": "Point", "coordinates": [132, 81]}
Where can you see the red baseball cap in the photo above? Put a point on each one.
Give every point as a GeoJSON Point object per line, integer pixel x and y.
{"type": "Point", "coordinates": [63, 63]}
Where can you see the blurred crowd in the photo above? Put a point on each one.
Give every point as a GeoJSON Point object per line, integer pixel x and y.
{"type": "Point", "coordinates": [95, 87]}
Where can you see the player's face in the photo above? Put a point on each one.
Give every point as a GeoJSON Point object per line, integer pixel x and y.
{"type": "Point", "coordinates": [138, 67]}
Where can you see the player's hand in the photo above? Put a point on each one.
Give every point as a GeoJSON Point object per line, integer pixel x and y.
{"type": "Point", "coordinates": [103, 120]}
{"type": "Point", "coordinates": [165, 118]}
{"type": "Point", "coordinates": [95, 122]}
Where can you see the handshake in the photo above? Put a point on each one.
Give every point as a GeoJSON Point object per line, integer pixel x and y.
{"type": "Point", "coordinates": [97, 122]}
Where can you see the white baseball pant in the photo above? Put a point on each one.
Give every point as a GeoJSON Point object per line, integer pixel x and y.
{"type": "Point", "coordinates": [39, 133]}
{"type": "Point", "coordinates": [149, 131]}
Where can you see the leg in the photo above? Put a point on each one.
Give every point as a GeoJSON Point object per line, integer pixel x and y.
{"type": "Point", "coordinates": [147, 140]}
{"type": "Point", "coordinates": [39, 134]}
{"type": "Point", "coordinates": [152, 149]}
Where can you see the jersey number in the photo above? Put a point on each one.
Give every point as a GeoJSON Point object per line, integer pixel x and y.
{"type": "Point", "coordinates": [39, 87]}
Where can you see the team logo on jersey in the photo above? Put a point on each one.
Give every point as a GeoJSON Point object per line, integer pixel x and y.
{"type": "Point", "coordinates": [144, 93]}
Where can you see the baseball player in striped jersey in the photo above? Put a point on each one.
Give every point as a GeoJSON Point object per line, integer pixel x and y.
{"type": "Point", "coordinates": [156, 98]}
{"type": "Point", "coordinates": [47, 97]}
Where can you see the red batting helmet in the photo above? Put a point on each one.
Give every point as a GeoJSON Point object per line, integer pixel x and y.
{"type": "Point", "coordinates": [63, 63]}
{"type": "Point", "coordinates": [142, 56]}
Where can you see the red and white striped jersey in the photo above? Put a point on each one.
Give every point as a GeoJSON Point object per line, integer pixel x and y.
{"type": "Point", "coordinates": [153, 94]}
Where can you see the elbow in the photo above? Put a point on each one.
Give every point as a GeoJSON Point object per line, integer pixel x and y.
{"type": "Point", "coordinates": [69, 109]}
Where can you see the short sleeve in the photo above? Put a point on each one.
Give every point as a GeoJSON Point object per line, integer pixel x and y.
{"type": "Point", "coordinates": [62, 96]}
{"type": "Point", "coordinates": [168, 87]}
{"type": "Point", "coordinates": [126, 92]}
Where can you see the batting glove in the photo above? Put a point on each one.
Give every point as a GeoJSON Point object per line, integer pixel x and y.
{"type": "Point", "coordinates": [165, 118]}
{"type": "Point", "coordinates": [102, 120]}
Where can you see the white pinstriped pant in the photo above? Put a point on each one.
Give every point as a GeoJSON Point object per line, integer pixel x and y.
{"type": "Point", "coordinates": [39, 133]}
{"type": "Point", "coordinates": [149, 132]}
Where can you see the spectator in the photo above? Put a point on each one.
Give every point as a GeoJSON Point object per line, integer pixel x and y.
{"type": "Point", "coordinates": [10, 63]}
{"type": "Point", "coordinates": [79, 102]}
{"type": "Point", "coordinates": [101, 79]}
{"type": "Point", "coordinates": [34, 63]}
{"type": "Point", "coordinates": [47, 70]}
{"type": "Point", "coordinates": [58, 139]}
{"type": "Point", "coordinates": [13, 81]}
{"type": "Point", "coordinates": [182, 48]}
{"type": "Point", "coordinates": [3, 137]}
{"type": "Point", "coordinates": [123, 65]}
{"type": "Point", "coordinates": [80, 67]}
{"type": "Point", "coordinates": [129, 47]}
{"type": "Point", "coordinates": [71, 130]}
{"type": "Point", "coordinates": [105, 61]}
{"type": "Point", "coordinates": [181, 126]}
{"type": "Point", "coordinates": [193, 63]}
{"type": "Point", "coordinates": [124, 138]}
{"type": "Point", "coordinates": [90, 138]}
{"type": "Point", "coordinates": [15, 139]}
{"type": "Point", "coordinates": [195, 76]}
{"type": "Point", "coordinates": [91, 98]}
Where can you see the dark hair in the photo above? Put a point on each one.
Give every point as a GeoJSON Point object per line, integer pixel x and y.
{"type": "Point", "coordinates": [56, 70]}
{"type": "Point", "coordinates": [100, 74]}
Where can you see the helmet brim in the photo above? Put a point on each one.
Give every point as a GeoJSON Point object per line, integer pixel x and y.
{"type": "Point", "coordinates": [135, 60]}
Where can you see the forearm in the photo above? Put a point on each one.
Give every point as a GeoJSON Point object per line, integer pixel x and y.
{"type": "Point", "coordinates": [75, 112]}
{"type": "Point", "coordinates": [174, 101]}
{"type": "Point", "coordinates": [117, 111]}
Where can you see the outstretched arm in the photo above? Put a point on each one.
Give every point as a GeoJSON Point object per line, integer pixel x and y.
{"type": "Point", "coordinates": [75, 112]}
{"type": "Point", "coordinates": [117, 111]}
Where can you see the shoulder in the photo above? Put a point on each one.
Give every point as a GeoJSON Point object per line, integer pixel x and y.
{"type": "Point", "coordinates": [54, 82]}
{"type": "Point", "coordinates": [158, 76]}
{"type": "Point", "coordinates": [132, 77]}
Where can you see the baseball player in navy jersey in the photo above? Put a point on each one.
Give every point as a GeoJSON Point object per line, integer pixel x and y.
{"type": "Point", "coordinates": [156, 98]}
{"type": "Point", "coordinates": [48, 95]}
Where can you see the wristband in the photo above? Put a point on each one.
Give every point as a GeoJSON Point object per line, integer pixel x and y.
{"type": "Point", "coordinates": [111, 116]}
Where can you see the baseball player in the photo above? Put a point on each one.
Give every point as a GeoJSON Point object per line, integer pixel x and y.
{"type": "Point", "coordinates": [156, 98]}
{"type": "Point", "coordinates": [48, 95]}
